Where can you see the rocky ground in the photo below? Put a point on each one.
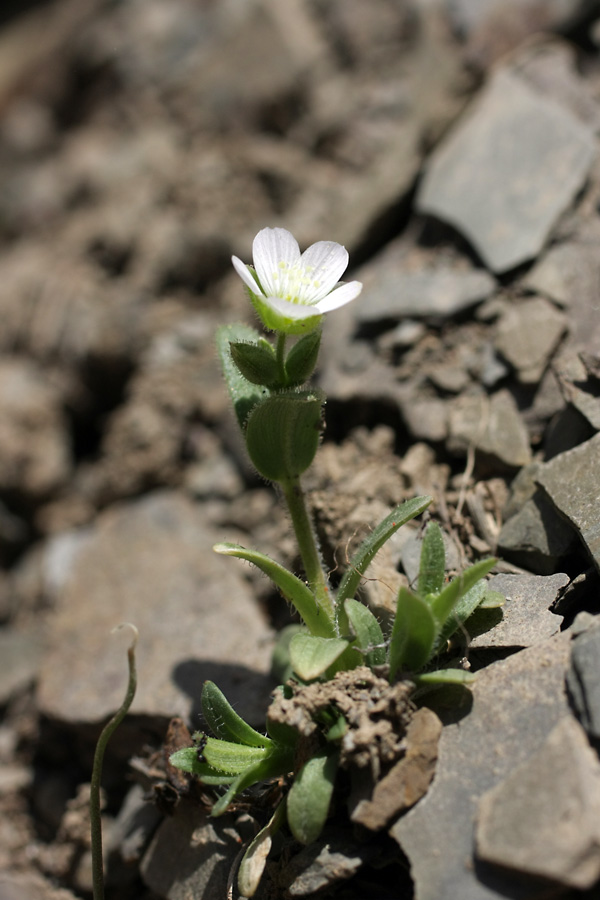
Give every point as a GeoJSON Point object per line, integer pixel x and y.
{"type": "Point", "coordinates": [452, 146]}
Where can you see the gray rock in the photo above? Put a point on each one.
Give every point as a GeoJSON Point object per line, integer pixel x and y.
{"type": "Point", "coordinates": [527, 335]}
{"type": "Point", "coordinates": [34, 448]}
{"type": "Point", "coordinates": [543, 819]}
{"type": "Point", "coordinates": [150, 562]}
{"type": "Point", "coordinates": [579, 387]}
{"type": "Point", "coordinates": [24, 886]}
{"type": "Point", "coordinates": [191, 854]}
{"type": "Point", "coordinates": [508, 171]}
{"type": "Point", "coordinates": [492, 425]}
{"type": "Point", "coordinates": [526, 618]}
{"type": "Point", "coordinates": [425, 417]}
{"type": "Point", "coordinates": [335, 857]}
{"type": "Point", "coordinates": [536, 537]}
{"type": "Point", "coordinates": [569, 273]}
{"type": "Point", "coordinates": [20, 659]}
{"type": "Point", "coordinates": [583, 679]}
{"type": "Point", "coordinates": [515, 705]}
{"type": "Point", "coordinates": [397, 285]}
{"type": "Point", "coordinates": [571, 481]}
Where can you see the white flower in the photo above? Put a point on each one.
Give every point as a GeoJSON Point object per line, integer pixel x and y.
{"type": "Point", "coordinates": [291, 291]}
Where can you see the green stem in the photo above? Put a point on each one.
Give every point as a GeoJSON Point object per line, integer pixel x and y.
{"type": "Point", "coordinates": [305, 535]}
{"type": "Point", "coordinates": [95, 812]}
{"type": "Point", "coordinates": [280, 356]}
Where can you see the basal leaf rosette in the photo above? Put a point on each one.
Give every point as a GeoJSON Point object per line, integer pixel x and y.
{"type": "Point", "coordinates": [290, 291]}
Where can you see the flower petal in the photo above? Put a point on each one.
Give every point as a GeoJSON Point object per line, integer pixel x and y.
{"type": "Point", "coordinates": [245, 274]}
{"type": "Point", "coordinates": [324, 263]}
{"type": "Point", "coordinates": [271, 247]}
{"type": "Point", "coordinates": [339, 297]}
{"type": "Point", "coordinates": [295, 311]}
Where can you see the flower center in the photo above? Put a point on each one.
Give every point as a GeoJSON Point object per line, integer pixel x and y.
{"type": "Point", "coordinates": [294, 283]}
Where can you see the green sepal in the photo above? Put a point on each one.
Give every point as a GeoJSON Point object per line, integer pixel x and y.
{"type": "Point", "coordinates": [369, 547]}
{"type": "Point", "coordinates": [310, 795]}
{"type": "Point", "coordinates": [275, 321]}
{"type": "Point", "coordinates": [244, 395]}
{"type": "Point", "coordinates": [443, 604]}
{"type": "Point", "coordinates": [301, 360]}
{"type": "Point", "coordinates": [283, 433]}
{"type": "Point", "coordinates": [413, 634]}
{"type": "Point", "coordinates": [256, 362]}
{"type": "Point", "coordinates": [432, 566]}
{"type": "Point", "coordinates": [295, 591]}
{"type": "Point", "coordinates": [311, 656]}
{"type": "Point", "coordinates": [276, 762]}
{"type": "Point", "coordinates": [369, 636]}
{"type": "Point", "coordinates": [224, 722]}
{"type": "Point", "coordinates": [187, 760]}
{"type": "Point", "coordinates": [254, 859]}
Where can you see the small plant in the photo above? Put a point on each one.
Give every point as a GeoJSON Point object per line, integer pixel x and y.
{"type": "Point", "coordinates": [281, 421]}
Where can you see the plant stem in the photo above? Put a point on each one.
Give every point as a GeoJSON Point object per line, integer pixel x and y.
{"type": "Point", "coordinates": [305, 535]}
{"type": "Point", "coordinates": [95, 812]}
{"type": "Point", "coordinates": [280, 355]}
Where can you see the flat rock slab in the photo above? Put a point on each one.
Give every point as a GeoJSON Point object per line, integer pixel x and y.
{"type": "Point", "coordinates": [504, 176]}
{"type": "Point", "coordinates": [526, 619]}
{"type": "Point", "coordinates": [583, 679]}
{"type": "Point", "coordinates": [492, 425]}
{"type": "Point", "coordinates": [543, 819]}
{"type": "Point", "coordinates": [150, 562]}
{"type": "Point", "coordinates": [191, 854]}
{"type": "Point", "coordinates": [536, 537]}
{"type": "Point", "coordinates": [572, 482]}
{"type": "Point", "coordinates": [396, 287]}
{"type": "Point", "coordinates": [527, 335]}
{"type": "Point", "coordinates": [516, 704]}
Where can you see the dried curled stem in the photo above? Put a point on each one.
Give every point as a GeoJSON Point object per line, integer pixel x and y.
{"type": "Point", "coordinates": [107, 731]}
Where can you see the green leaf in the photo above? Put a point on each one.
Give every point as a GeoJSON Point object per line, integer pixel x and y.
{"type": "Point", "coordinates": [256, 362]}
{"type": "Point", "coordinates": [231, 758]}
{"type": "Point", "coordinates": [281, 667]}
{"type": "Point", "coordinates": [224, 722]}
{"type": "Point", "coordinates": [369, 547]}
{"type": "Point", "coordinates": [369, 636]}
{"type": "Point", "coordinates": [187, 760]}
{"type": "Point", "coordinates": [276, 762]}
{"type": "Point", "coordinates": [444, 676]}
{"type": "Point", "coordinates": [294, 590]}
{"type": "Point", "coordinates": [302, 358]}
{"type": "Point", "coordinates": [337, 731]}
{"type": "Point", "coordinates": [283, 433]}
{"type": "Point", "coordinates": [442, 604]}
{"type": "Point", "coordinates": [254, 860]}
{"type": "Point", "coordinates": [465, 607]}
{"type": "Point", "coordinates": [244, 395]}
{"type": "Point", "coordinates": [310, 795]}
{"type": "Point", "coordinates": [432, 567]}
{"type": "Point", "coordinates": [311, 656]}
{"type": "Point", "coordinates": [413, 634]}
{"type": "Point", "coordinates": [492, 600]}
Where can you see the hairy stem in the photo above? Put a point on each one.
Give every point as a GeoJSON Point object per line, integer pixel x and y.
{"type": "Point", "coordinates": [107, 731]}
{"type": "Point", "coordinates": [305, 535]}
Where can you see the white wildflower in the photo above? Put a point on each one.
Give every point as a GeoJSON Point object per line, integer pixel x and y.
{"type": "Point", "coordinates": [291, 291]}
